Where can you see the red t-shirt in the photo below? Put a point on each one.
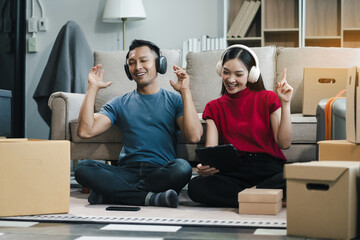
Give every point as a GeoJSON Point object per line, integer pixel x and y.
{"type": "Point", "coordinates": [243, 119]}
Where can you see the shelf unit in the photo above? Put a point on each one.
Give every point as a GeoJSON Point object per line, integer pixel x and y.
{"type": "Point", "coordinates": [253, 37]}
{"type": "Point", "coordinates": [351, 23]}
{"type": "Point", "coordinates": [298, 23]}
{"type": "Point", "coordinates": [280, 23]}
{"type": "Point", "coordinates": [276, 23]}
{"type": "Point", "coordinates": [323, 23]}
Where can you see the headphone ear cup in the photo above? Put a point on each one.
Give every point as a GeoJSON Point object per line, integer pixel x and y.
{"type": "Point", "coordinates": [161, 64]}
{"type": "Point", "coordinates": [219, 68]}
{"type": "Point", "coordinates": [254, 74]}
{"type": "Point", "coordinates": [127, 71]}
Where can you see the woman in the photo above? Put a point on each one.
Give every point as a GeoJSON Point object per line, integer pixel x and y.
{"type": "Point", "coordinates": [256, 121]}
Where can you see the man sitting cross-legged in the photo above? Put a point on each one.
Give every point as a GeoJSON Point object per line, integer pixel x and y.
{"type": "Point", "coordinates": [149, 118]}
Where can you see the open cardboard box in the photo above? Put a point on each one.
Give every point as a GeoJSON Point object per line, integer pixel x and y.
{"type": "Point", "coordinates": [34, 177]}
{"type": "Point", "coordinates": [322, 199]}
{"type": "Point", "coordinates": [321, 83]}
{"type": "Point", "coordinates": [353, 107]}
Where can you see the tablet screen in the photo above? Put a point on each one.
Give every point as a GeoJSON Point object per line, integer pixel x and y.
{"type": "Point", "coordinates": [222, 157]}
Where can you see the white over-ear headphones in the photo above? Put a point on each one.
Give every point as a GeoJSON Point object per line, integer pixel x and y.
{"type": "Point", "coordinates": [254, 72]}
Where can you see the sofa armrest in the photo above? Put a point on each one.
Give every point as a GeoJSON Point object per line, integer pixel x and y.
{"type": "Point", "coordinates": [65, 107]}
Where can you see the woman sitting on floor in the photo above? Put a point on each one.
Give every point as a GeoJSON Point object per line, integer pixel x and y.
{"type": "Point", "coordinates": [256, 121]}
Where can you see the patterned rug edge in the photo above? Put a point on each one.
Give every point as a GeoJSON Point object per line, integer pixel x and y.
{"type": "Point", "coordinates": [149, 220]}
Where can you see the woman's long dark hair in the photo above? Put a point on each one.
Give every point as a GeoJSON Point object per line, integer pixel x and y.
{"type": "Point", "coordinates": [247, 59]}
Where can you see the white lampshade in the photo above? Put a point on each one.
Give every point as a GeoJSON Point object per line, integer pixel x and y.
{"type": "Point", "coordinates": [116, 10]}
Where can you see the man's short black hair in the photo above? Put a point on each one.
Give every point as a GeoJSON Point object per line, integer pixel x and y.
{"type": "Point", "coordinates": [139, 43]}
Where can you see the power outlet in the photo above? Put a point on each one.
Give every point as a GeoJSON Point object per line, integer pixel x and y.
{"type": "Point", "coordinates": [32, 44]}
{"type": "Point", "coordinates": [32, 27]}
{"type": "Point", "coordinates": [43, 24]}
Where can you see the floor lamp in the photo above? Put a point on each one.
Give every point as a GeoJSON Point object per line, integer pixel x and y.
{"type": "Point", "coordinates": [117, 11]}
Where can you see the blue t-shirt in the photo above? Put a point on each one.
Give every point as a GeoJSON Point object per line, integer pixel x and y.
{"type": "Point", "coordinates": [148, 125]}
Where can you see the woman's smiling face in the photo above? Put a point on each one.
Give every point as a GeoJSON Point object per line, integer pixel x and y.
{"type": "Point", "coordinates": [234, 76]}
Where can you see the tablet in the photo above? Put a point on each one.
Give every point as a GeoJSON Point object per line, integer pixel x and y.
{"type": "Point", "coordinates": [222, 157]}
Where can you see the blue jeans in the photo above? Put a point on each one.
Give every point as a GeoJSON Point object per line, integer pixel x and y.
{"type": "Point", "coordinates": [131, 183]}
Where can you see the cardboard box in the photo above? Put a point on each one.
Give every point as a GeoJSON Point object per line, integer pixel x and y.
{"type": "Point", "coordinates": [260, 201]}
{"type": "Point", "coordinates": [322, 199]}
{"type": "Point", "coordinates": [338, 150]}
{"type": "Point", "coordinates": [320, 83]}
{"type": "Point", "coordinates": [353, 108]}
{"type": "Point", "coordinates": [34, 177]}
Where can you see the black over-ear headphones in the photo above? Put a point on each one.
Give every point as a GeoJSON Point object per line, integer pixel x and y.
{"type": "Point", "coordinates": [160, 62]}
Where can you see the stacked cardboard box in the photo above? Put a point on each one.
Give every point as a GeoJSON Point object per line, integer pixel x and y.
{"type": "Point", "coordinates": [34, 177]}
{"type": "Point", "coordinates": [320, 83]}
{"type": "Point", "coordinates": [323, 196]}
{"type": "Point", "coordinates": [349, 150]}
{"type": "Point", "coordinates": [322, 199]}
{"type": "Point", "coordinates": [260, 201]}
{"type": "Point", "coordinates": [337, 150]}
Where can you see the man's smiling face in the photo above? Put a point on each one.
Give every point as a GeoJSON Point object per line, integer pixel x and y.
{"type": "Point", "coordinates": [142, 65]}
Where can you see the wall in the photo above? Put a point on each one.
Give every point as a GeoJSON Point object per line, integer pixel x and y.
{"type": "Point", "coordinates": [168, 23]}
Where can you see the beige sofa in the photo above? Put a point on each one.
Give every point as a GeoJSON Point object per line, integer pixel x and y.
{"type": "Point", "coordinates": [205, 86]}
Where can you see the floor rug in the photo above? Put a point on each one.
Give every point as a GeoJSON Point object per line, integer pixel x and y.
{"type": "Point", "coordinates": [188, 213]}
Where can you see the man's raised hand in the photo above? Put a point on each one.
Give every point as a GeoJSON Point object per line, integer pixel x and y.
{"type": "Point", "coordinates": [96, 77]}
{"type": "Point", "coordinates": [183, 79]}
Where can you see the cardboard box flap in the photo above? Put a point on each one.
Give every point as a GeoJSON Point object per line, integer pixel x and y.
{"type": "Point", "coordinates": [308, 172]}
{"type": "Point", "coordinates": [353, 108]}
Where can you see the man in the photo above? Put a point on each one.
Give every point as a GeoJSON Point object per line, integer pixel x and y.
{"type": "Point", "coordinates": [148, 118]}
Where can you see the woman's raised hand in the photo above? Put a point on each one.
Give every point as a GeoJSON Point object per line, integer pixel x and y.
{"type": "Point", "coordinates": [283, 89]}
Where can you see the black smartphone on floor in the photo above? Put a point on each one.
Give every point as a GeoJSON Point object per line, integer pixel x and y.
{"type": "Point", "coordinates": [122, 208]}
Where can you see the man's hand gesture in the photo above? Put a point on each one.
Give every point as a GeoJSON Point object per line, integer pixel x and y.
{"type": "Point", "coordinates": [96, 77]}
{"type": "Point", "coordinates": [183, 80]}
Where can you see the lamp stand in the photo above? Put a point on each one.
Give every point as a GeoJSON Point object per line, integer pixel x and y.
{"type": "Point", "coordinates": [124, 20]}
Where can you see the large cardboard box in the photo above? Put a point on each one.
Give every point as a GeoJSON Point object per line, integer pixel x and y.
{"type": "Point", "coordinates": [322, 199]}
{"type": "Point", "coordinates": [34, 177]}
{"type": "Point", "coordinates": [320, 83]}
{"type": "Point", "coordinates": [338, 150]}
{"type": "Point", "coordinates": [260, 201]}
{"type": "Point", "coordinates": [353, 108]}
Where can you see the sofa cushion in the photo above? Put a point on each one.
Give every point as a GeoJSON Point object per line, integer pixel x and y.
{"type": "Point", "coordinates": [295, 59]}
{"type": "Point", "coordinates": [113, 64]}
{"type": "Point", "coordinates": [303, 129]}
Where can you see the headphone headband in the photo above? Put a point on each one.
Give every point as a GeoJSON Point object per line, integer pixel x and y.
{"type": "Point", "coordinates": [242, 47]}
